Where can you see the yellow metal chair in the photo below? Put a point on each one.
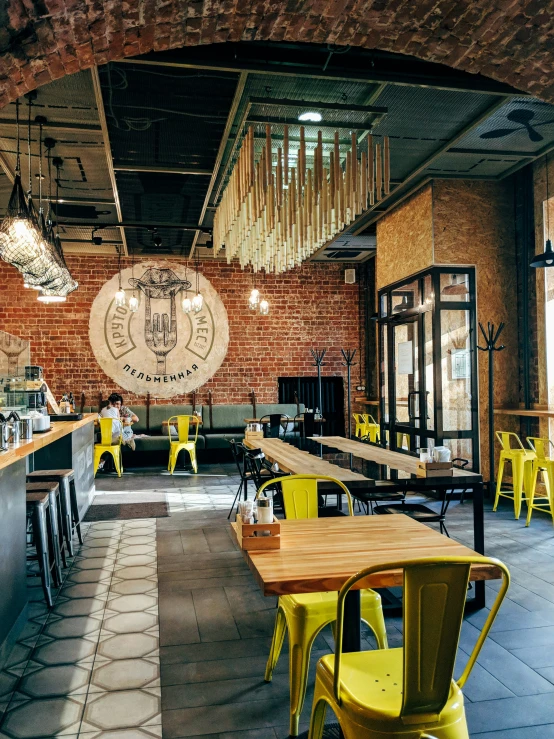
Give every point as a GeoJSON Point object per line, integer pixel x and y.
{"type": "Point", "coordinates": [409, 692]}
{"type": "Point", "coordinates": [543, 463]}
{"type": "Point", "coordinates": [359, 429]}
{"type": "Point", "coordinates": [306, 614]}
{"type": "Point", "coordinates": [522, 468]}
{"type": "Point", "coordinates": [107, 445]}
{"type": "Point", "coordinates": [371, 427]}
{"type": "Point", "coordinates": [182, 441]}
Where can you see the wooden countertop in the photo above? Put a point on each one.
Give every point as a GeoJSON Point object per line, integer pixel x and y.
{"type": "Point", "coordinates": [39, 440]}
{"type": "Point", "coordinates": [524, 412]}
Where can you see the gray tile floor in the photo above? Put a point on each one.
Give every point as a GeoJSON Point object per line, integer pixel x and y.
{"type": "Point", "coordinates": [90, 667]}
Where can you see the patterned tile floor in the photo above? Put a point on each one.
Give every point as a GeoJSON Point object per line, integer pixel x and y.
{"type": "Point", "coordinates": [160, 630]}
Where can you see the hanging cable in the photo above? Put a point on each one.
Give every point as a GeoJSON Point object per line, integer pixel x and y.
{"type": "Point", "coordinates": [18, 153]}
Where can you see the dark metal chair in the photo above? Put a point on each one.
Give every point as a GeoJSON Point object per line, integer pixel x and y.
{"type": "Point", "coordinates": [383, 491]}
{"type": "Point", "coordinates": [306, 424]}
{"type": "Point", "coordinates": [275, 425]}
{"type": "Point", "coordinates": [238, 451]}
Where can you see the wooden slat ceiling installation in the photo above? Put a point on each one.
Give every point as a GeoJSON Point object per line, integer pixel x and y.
{"type": "Point", "coordinates": [174, 122]}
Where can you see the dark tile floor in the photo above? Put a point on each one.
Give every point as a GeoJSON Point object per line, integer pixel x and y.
{"type": "Point", "coordinates": [215, 626]}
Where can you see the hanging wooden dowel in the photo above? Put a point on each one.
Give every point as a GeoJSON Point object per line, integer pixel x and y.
{"type": "Point", "coordinates": [371, 170]}
{"type": "Point", "coordinates": [337, 162]}
{"type": "Point", "coordinates": [378, 172]}
{"type": "Point", "coordinates": [386, 163]}
{"type": "Point", "coordinates": [363, 181]}
{"type": "Point", "coordinates": [279, 177]}
{"type": "Point", "coordinates": [302, 158]}
{"type": "Point", "coordinates": [286, 153]}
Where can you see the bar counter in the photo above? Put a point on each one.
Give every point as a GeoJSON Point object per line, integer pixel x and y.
{"type": "Point", "coordinates": [69, 444]}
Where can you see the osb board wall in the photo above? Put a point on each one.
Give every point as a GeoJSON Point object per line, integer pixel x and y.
{"type": "Point", "coordinates": [405, 239]}
{"type": "Point", "coordinates": [473, 224]}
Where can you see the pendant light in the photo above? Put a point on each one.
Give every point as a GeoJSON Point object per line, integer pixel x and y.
{"type": "Point", "coordinates": [455, 287]}
{"type": "Point", "coordinates": [546, 259]}
{"type": "Point", "coordinates": [198, 300]}
{"type": "Point", "coordinates": [134, 300]}
{"type": "Point", "coordinates": [401, 307]}
{"type": "Point", "coordinates": [120, 294]}
{"type": "Point", "coordinates": [186, 302]}
{"type": "Point", "coordinates": [55, 290]}
{"type": "Point", "coordinates": [18, 237]}
{"type": "Point", "coordinates": [264, 308]}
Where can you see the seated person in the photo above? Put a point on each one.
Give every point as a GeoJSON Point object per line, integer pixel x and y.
{"type": "Point", "coordinates": [124, 417]}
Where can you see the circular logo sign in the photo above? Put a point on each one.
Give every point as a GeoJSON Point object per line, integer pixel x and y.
{"type": "Point", "coordinates": [158, 349]}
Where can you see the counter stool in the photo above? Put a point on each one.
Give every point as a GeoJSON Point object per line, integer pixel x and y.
{"type": "Point", "coordinates": [545, 464]}
{"type": "Point", "coordinates": [522, 469]}
{"type": "Point", "coordinates": [53, 490]}
{"type": "Point", "coordinates": [42, 524]}
{"type": "Point", "coordinates": [68, 495]}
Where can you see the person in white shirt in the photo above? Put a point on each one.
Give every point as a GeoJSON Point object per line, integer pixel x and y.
{"type": "Point", "coordinates": [118, 428]}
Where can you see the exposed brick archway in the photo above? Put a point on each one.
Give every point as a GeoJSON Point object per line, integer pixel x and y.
{"type": "Point", "coordinates": [508, 40]}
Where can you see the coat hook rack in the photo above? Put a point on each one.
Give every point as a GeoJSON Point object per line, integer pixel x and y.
{"type": "Point", "coordinates": [491, 339]}
{"type": "Point", "coordinates": [348, 355]}
{"type": "Point", "coordinates": [319, 355]}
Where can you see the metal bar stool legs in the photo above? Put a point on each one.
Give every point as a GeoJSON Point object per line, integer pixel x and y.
{"type": "Point", "coordinates": [42, 513]}
{"type": "Point", "coordinates": [40, 534]}
{"type": "Point", "coordinates": [60, 548]}
{"type": "Point", "coordinates": [68, 494]}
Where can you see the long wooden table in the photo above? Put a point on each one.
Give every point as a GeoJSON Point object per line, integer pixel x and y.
{"type": "Point", "coordinates": [380, 455]}
{"type": "Point", "coordinates": [296, 461]}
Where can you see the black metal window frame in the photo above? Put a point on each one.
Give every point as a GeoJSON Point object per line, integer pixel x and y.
{"type": "Point", "coordinates": [416, 313]}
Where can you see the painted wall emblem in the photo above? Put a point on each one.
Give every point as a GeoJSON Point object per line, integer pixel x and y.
{"type": "Point", "coordinates": [159, 349]}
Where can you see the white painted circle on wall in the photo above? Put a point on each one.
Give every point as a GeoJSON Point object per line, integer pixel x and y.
{"type": "Point", "coordinates": [159, 349]}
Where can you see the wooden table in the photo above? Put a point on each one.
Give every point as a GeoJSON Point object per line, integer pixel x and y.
{"type": "Point", "coordinates": [461, 479]}
{"type": "Point", "coordinates": [320, 554]}
{"type": "Point", "coordinates": [296, 461]}
{"type": "Point", "coordinates": [193, 420]}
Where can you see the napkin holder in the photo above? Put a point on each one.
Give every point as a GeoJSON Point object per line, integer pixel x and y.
{"type": "Point", "coordinates": [247, 534]}
{"type": "Point", "coordinates": [434, 469]}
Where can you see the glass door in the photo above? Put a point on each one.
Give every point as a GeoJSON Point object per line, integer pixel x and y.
{"type": "Point", "coordinates": [406, 421]}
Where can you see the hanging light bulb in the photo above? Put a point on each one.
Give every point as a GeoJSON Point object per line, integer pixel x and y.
{"type": "Point", "coordinates": [254, 296]}
{"type": "Point", "coordinates": [186, 304]}
{"type": "Point", "coordinates": [198, 300]}
{"type": "Point", "coordinates": [264, 308]}
{"type": "Point", "coordinates": [133, 303]}
{"type": "Point", "coordinates": [119, 297]}
{"type": "Point", "coordinates": [253, 304]}
{"type": "Point", "coordinates": [197, 303]}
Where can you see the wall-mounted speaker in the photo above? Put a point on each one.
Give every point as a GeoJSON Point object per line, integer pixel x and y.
{"type": "Point", "coordinates": [350, 276]}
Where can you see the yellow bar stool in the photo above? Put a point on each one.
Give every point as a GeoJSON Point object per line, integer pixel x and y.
{"type": "Point", "coordinates": [304, 615]}
{"type": "Point", "coordinates": [522, 460]}
{"type": "Point", "coordinates": [543, 463]}
{"type": "Point", "coordinates": [372, 428]}
{"type": "Point", "coordinates": [182, 441]}
{"type": "Point", "coordinates": [108, 445]}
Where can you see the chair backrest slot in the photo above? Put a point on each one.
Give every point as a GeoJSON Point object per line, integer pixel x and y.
{"type": "Point", "coordinates": [434, 598]}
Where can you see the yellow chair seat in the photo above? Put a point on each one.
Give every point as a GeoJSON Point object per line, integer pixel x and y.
{"type": "Point", "coordinates": [371, 695]}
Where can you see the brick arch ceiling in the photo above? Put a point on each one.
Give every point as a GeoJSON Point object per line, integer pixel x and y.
{"type": "Point", "coordinates": [508, 40]}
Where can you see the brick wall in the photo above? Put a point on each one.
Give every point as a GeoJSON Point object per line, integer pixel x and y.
{"type": "Point", "coordinates": [310, 307]}
{"type": "Point", "coordinates": [508, 40]}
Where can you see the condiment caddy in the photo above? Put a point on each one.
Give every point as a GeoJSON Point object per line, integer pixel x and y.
{"type": "Point", "coordinates": [256, 527]}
